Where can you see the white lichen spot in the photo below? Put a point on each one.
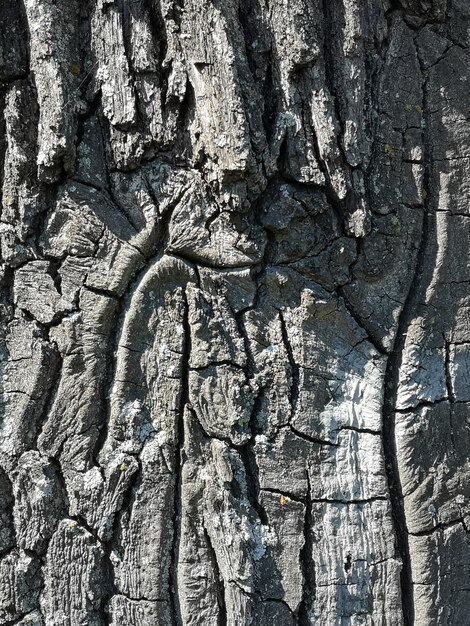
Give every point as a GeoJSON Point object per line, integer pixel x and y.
{"type": "Point", "coordinates": [261, 440]}
{"type": "Point", "coordinates": [432, 511]}
{"type": "Point", "coordinates": [161, 437]}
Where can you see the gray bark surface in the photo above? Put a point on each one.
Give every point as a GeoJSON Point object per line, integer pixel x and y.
{"type": "Point", "coordinates": [235, 312]}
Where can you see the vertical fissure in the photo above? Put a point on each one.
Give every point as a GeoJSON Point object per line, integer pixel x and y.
{"type": "Point", "coordinates": [56, 365]}
{"type": "Point", "coordinates": [307, 563]}
{"type": "Point", "coordinates": [250, 464]}
{"type": "Point", "coordinates": [179, 460]}
{"type": "Point", "coordinates": [219, 581]}
{"type": "Point", "coordinates": [247, 451]}
{"type": "Point", "coordinates": [449, 386]}
{"type": "Point", "coordinates": [295, 369]}
{"type": "Point", "coordinates": [392, 383]}
{"type": "Point", "coordinates": [330, 19]}
{"type": "Point", "coordinates": [109, 544]}
{"type": "Point", "coordinates": [391, 386]}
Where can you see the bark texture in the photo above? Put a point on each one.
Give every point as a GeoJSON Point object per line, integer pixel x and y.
{"type": "Point", "coordinates": [235, 312]}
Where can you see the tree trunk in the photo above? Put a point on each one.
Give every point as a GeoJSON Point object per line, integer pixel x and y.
{"type": "Point", "coordinates": [235, 312]}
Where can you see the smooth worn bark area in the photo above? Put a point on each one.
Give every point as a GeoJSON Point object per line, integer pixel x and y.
{"type": "Point", "coordinates": [235, 312]}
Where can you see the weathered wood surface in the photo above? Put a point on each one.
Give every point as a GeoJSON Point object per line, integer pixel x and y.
{"type": "Point", "coordinates": [235, 312]}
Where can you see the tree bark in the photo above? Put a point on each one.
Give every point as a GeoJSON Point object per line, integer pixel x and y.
{"type": "Point", "coordinates": [235, 312]}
